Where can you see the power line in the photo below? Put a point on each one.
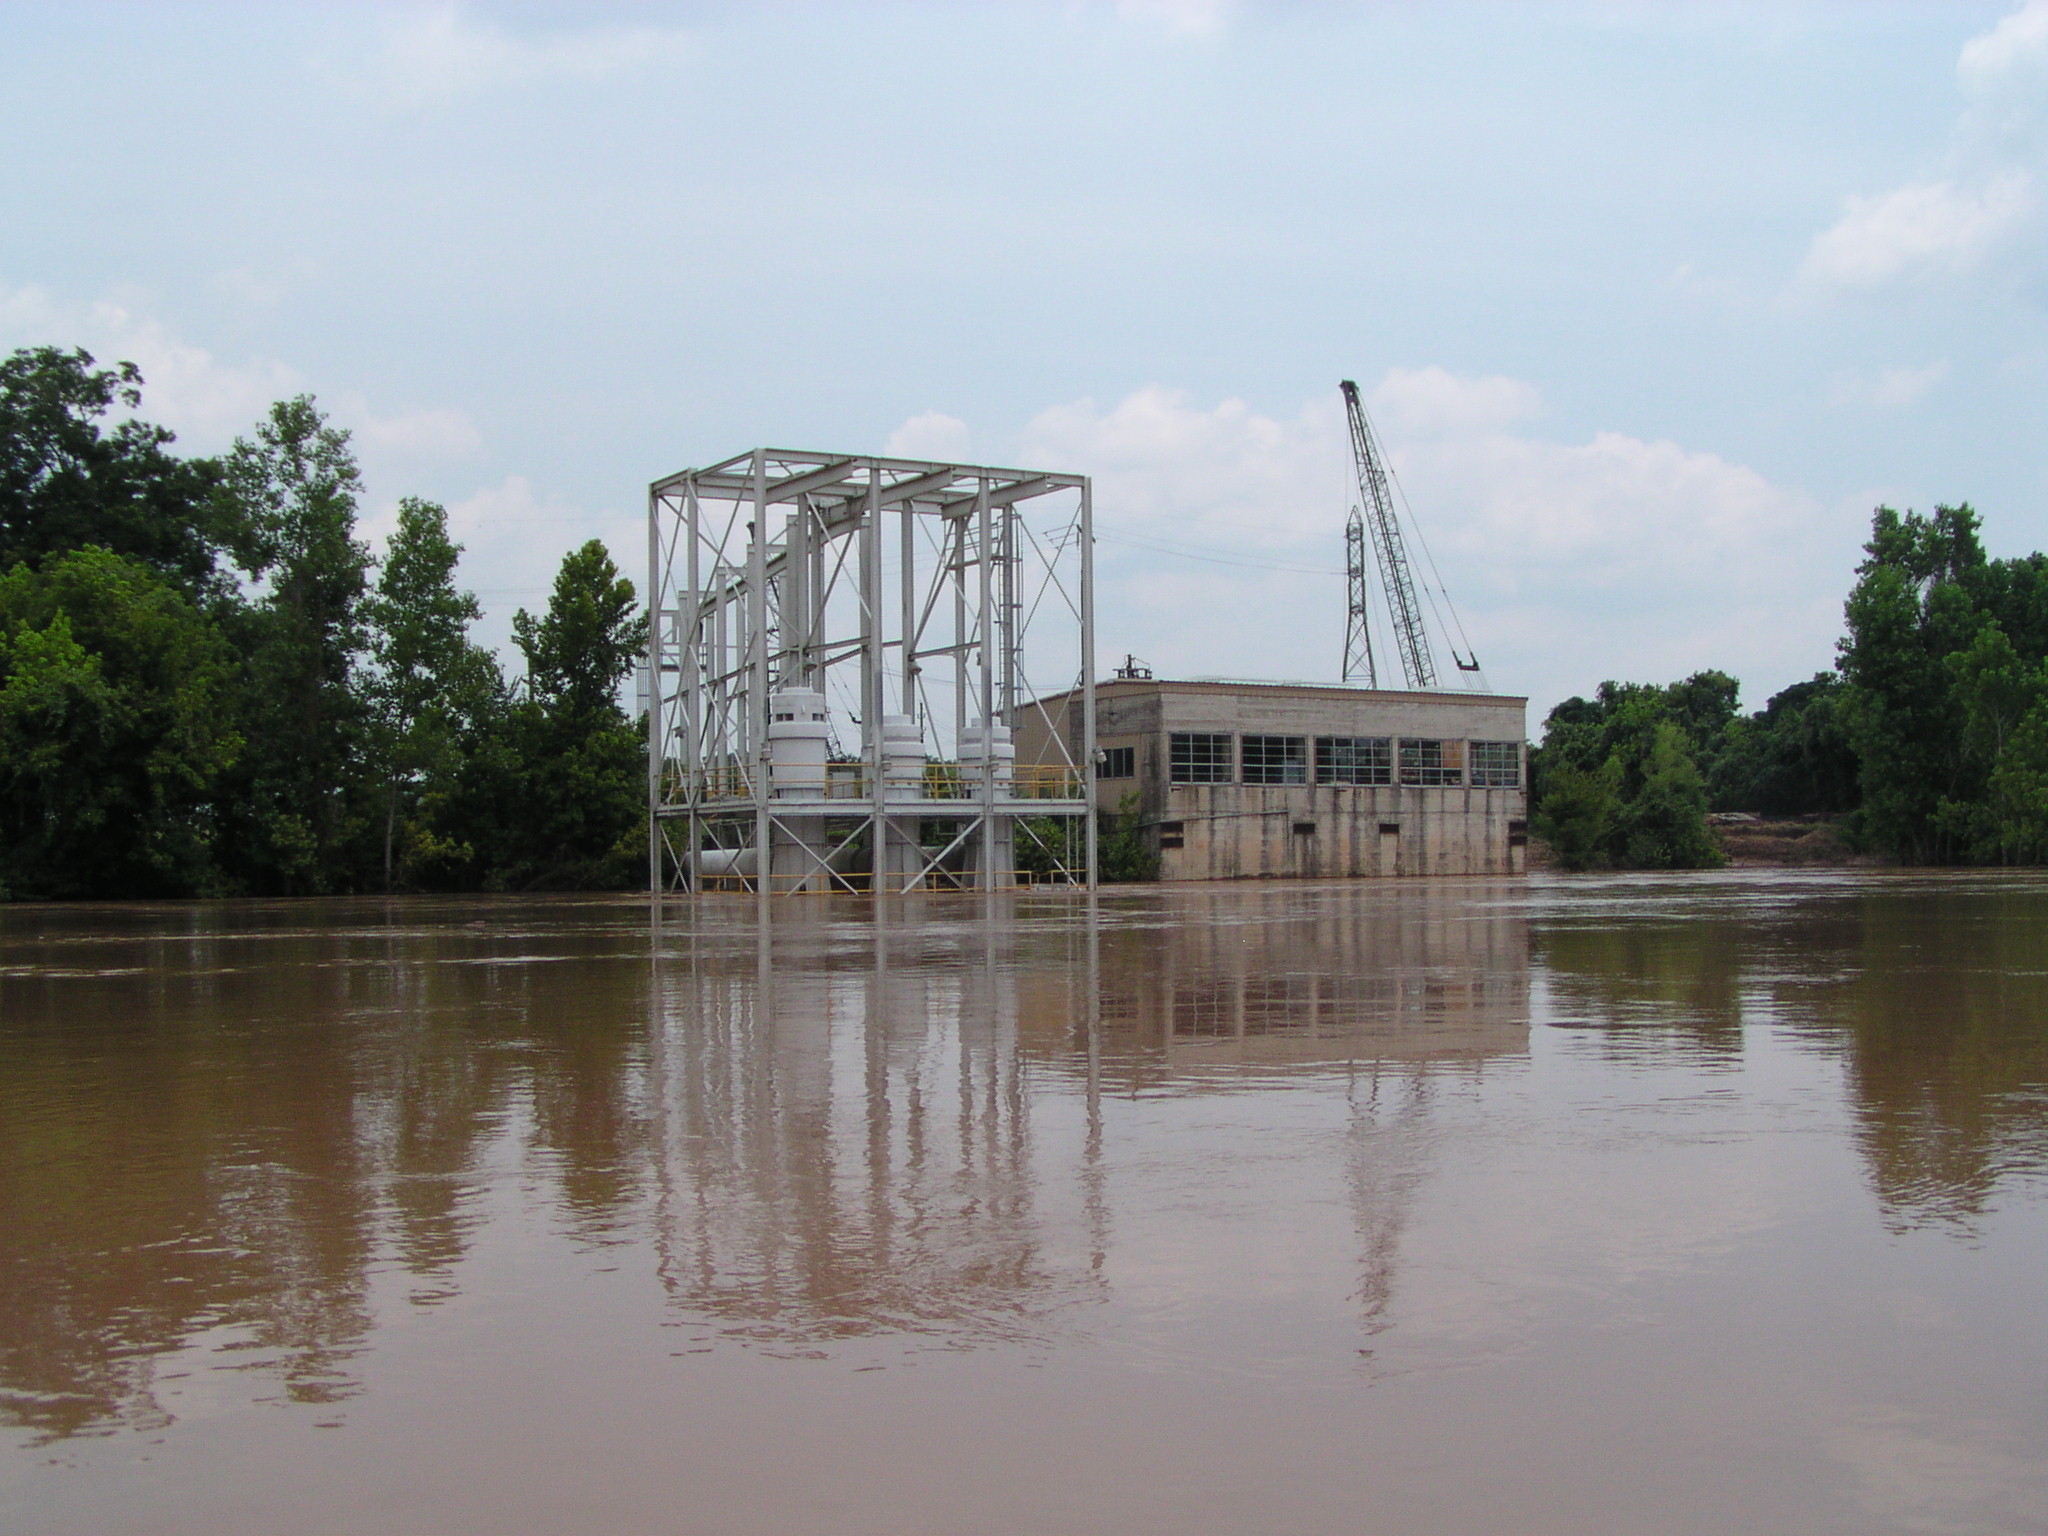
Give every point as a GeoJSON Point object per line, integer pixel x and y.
{"type": "Point", "coordinates": [1217, 559]}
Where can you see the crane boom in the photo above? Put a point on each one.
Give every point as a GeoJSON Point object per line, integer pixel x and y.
{"type": "Point", "coordinates": [1403, 612]}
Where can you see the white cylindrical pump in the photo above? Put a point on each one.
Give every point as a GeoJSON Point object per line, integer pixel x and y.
{"type": "Point", "coordinates": [727, 863]}
{"type": "Point", "coordinates": [902, 759]}
{"type": "Point", "coordinates": [982, 743]}
{"type": "Point", "coordinates": [798, 742]}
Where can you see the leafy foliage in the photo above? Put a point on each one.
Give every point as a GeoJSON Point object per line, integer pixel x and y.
{"type": "Point", "coordinates": [429, 689]}
{"type": "Point", "coordinates": [296, 804]}
{"type": "Point", "coordinates": [554, 796]}
{"type": "Point", "coordinates": [1617, 781]}
{"type": "Point", "coordinates": [1791, 758]}
{"type": "Point", "coordinates": [1945, 698]}
{"type": "Point", "coordinates": [1120, 843]}
{"type": "Point", "coordinates": [65, 483]}
{"type": "Point", "coordinates": [204, 690]}
{"type": "Point", "coordinates": [113, 733]}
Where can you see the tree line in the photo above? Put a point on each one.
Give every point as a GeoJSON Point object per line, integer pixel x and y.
{"type": "Point", "coordinates": [209, 685]}
{"type": "Point", "coordinates": [1927, 741]}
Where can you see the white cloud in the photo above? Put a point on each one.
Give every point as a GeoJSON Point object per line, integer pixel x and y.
{"type": "Point", "coordinates": [1194, 18]}
{"type": "Point", "coordinates": [2018, 41]}
{"type": "Point", "coordinates": [198, 396]}
{"type": "Point", "coordinates": [1569, 562]}
{"type": "Point", "coordinates": [429, 434]}
{"type": "Point", "coordinates": [1177, 469]}
{"type": "Point", "coordinates": [207, 401]}
{"type": "Point", "coordinates": [1688, 282]}
{"type": "Point", "coordinates": [932, 435]}
{"type": "Point", "coordinates": [1950, 224]}
{"type": "Point", "coordinates": [1434, 402]}
{"type": "Point", "coordinates": [1926, 227]}
{"type": "Point", "coordinates": [514, 537]}
{"type": "Point", "coordinates": [441, 54]}
{"type": "Point", "coordinates": [1890, 387]}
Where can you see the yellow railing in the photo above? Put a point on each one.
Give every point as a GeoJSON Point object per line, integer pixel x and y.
{"type": "Point", "coordinates": [861, 883]}
{"type": "Point", "coordinates": [729, 783]}
{"type": "Point", "coordinates": [1046, 781]}
{"type": "Point", "coordinates": [942, 781]}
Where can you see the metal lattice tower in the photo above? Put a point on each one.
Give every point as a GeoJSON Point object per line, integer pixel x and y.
{"type": "Point", "coordinates": [843, 651]}
{"type": "Point", "coordinates": [1358, 659]}
{"type": "Point", "coordinates": [1404, 613]}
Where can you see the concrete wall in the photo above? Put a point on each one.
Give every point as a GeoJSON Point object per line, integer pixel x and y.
{"type": "Point", "coordinates": [1241, 831]}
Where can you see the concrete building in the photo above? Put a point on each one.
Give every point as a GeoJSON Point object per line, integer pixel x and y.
{"type": "Point", "coordinates": [1236, 780]}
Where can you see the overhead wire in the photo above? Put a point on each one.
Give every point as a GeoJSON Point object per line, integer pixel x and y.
{"type": "Point", "coordinates": [1432, 593]}
{"type": "Point", "coordinates": [1159, 547]}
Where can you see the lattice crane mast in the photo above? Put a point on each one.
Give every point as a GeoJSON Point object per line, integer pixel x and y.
{"type": "Point", "coordinates": [1359, 666]}
{"type": "Point", "coordinates": [1404, 613]}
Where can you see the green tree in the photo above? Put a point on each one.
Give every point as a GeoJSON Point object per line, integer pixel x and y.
{"type": "Point", "coordinates": [2015, 827]}
{"type": "Point", "coordinates": [585, 645]}
{"type": "Point", "coordinates": [555, 796]}
{"type": "Point", "coordinates": [114, 731]}
{"type": "Point", "coordinates": [430, 687]}
{"type": "Point", "coordinates": [298, 813]}
{"type": "Point", "coordinates": [1121, 845]}
{"type": "Point", "coordinates": [1617, 782]}
{"type": "Point", "coordinates": [1579, 813]}
{"type": "Point", "coordinates": [1913, 606]}
{"type": "Point", "coordinates": [1791, 758]}
{"type": "Point", "coordinates": [1664, 826]}
{"type": "Point", "coordinates": [67, 481]}
{"type": "Point", "coordinates": [2004, 700]}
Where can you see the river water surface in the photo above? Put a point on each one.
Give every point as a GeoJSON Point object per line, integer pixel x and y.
{"type": "Point", "coordinates": [1640, 1204]}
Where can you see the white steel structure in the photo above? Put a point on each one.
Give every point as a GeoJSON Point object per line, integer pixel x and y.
{"type": "Point", "coordinates": [840, 650]}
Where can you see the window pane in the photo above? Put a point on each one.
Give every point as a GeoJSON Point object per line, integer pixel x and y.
{"type": "Point", "coordinates": [1276, 759]}
{"type": "Point", "coordinates": [1497, 764]}
{"type": "Point", "coordinates": [1200, 757]}
{"type": "Point", "coordinates": [1354, 760]}
{"type": "Point", "coordinates": [1431, 762]}
{"type": "Point", "coordinates": [1118, 763]}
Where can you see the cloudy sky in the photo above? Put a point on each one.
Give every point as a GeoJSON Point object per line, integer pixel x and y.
{"type": "Point", "coordinates": [1651, 303]}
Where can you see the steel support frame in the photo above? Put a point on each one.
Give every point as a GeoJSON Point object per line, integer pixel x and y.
{"type": "Point", "coordinates": [772, 570]}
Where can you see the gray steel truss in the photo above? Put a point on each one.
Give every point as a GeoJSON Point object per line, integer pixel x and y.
{"type": "Point", "coordinates": [929, 605]}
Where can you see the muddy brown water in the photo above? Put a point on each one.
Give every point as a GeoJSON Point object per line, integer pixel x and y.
{"type": "Point", "coordinates": [1677, 1204]}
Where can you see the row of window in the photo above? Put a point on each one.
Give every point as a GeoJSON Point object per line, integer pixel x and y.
{"type": "Point", "coordinates": [1217, 757]}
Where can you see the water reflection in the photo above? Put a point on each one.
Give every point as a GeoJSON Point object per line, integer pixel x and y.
{"type": "Point", "coordinates": [1933, 991]}
{"type": "Point", "coordinates": [218, 1124]}
{"type": "Point", "coordinates": [247, 1137]}
{"type": "Point", "coordinates": [848, 1105]}
{"type": "Point", "coordinates": [846, 1140]}
{"type": "Point", "coordinates": [1941, 1008]}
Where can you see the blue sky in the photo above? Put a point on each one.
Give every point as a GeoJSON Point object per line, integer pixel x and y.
{"type": "Point", "coordinates": [1651, 303]}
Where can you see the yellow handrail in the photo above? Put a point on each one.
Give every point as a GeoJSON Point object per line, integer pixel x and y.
{"type": "Point", "coordinates": [941, 781]}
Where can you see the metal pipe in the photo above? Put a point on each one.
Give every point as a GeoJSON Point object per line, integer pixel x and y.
{"type": "Point", "coordinates": [757, 643]}
{"type": "Point", "coordinates": [1088, 678]}
{"type": "Point", "coordinates": [692, 663]}
{"type": "Point", "coordinates": [871, 676]}
{"type": "Point", "coordinates": [653, 663]}
{"type": "Point", "coordinates": [958, 529]}
{"type": "Point", "coordinates": [907, 575]}
{"type": "Point", "coordinates": [988, 693]}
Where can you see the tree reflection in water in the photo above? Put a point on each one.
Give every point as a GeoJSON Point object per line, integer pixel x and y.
{"type": "Point", "coordinates": [239, 1135]}
{"type": "Point", "coordinates": [1932, 989]}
